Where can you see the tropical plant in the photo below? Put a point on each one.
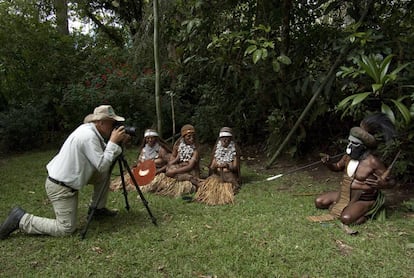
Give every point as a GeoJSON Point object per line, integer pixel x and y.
{"type": "Point", "coordinates": [375, 86]}
{"type": "Point", "coordinates": [384, 91]}
{"type": "Point", "coordinates": [259, 49]}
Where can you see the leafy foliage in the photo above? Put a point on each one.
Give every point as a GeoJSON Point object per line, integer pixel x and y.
{"type": "Point", "coordinates": [387, 90]}
{"type": "Point", "coordinates": [25, 128]}
{"type": "Point", "coordinates": [378, 70]}
{"type": "Point", "coordinates": [254, 65]}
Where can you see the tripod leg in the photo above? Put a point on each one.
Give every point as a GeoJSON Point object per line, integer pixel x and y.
{"type": "Point", "coordinates": [144, 201]}
{"type": "Point", "coordinates": [93, 207]}
{"type": "Point", "coordinates": [90, 215]}
{"type": "Point", "coordinates": [125, 193]}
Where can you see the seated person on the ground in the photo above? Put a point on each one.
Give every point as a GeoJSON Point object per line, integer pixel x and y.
{"type": "Point", "coordinates": [152, 148]}
{"type": "Point", "coordinates": [183, 171]}
{"type": "Point", "coordinates": [224, 172]}
{"type": "Point", "coordinates": [359, 197]}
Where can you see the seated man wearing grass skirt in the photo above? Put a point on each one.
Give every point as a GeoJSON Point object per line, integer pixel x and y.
{"type": "Point", "coordinates": [359, 197]}
{"type": "Point", "coordinates": [224, 172]}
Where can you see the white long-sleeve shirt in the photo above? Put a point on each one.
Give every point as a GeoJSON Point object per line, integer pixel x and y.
{"type": "Point", "coordinates": [83, 153]}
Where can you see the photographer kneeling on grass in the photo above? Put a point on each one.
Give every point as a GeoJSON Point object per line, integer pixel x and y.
{"type": "Point", "coordinates": [84, 158]}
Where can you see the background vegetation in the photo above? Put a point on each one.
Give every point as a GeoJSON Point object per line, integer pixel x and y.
{"type": "Point", "coordinates": [264, 234]}
{"type": "Point", "coordinates": [250, 64]}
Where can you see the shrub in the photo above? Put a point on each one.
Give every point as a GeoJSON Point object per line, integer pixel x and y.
{"type": "Point", "coordinates": [24, 128]}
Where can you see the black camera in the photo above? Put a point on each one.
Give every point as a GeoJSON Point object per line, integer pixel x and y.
{"type": "Point", "coordinates": [130, 130]}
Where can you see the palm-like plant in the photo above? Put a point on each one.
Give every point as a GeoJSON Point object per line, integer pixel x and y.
{"type": "Point", "coordinates": [378, 70]}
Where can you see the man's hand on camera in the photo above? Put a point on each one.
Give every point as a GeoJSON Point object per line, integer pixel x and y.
{"type": "Point", "coordinates": [126, 139]}
{"type": "Point", "coordinates": [118, 135]}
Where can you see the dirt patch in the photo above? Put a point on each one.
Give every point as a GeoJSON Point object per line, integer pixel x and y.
{"type": "Point", "coordinates": [256, 160]}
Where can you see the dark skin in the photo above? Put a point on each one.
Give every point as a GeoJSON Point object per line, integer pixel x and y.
{"type": "Point", "coordinates": [175, 167]}
{"type": "Point", "coordinates": [162, 159]}
{"type": "Point", "coordinates": [225, 167]}
{"type": "Point", "coordinates": [371, 174]}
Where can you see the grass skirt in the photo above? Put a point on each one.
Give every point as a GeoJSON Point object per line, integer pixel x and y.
{"type": "Point", "coordinates": [154, 184]}
{"type": "Point", "coordinates": [213, 191]}
{"type": "Point", "coordinates": [378, 210]}
{"type": "Point", "coordinates": [172, 187]}
{"type": "Point", "coordinates": [116, 184]}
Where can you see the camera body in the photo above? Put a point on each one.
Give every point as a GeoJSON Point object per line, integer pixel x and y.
{"type": "Point", "coordinates": [130, 130]}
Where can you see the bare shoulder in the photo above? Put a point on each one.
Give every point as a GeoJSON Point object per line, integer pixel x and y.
{"type": "Point", "coordinates": [375, 161]}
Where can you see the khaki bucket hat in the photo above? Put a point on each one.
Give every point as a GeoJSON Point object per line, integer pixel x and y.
{"type": "Point", "coordinates": [103, 112]}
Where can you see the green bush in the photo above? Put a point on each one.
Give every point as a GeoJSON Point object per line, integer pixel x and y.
{"type": "Point", "coordinates": [24, 128]}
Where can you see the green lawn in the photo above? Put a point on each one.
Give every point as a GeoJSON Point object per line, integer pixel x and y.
{"type": "Point", "coordinates": [264, 234]}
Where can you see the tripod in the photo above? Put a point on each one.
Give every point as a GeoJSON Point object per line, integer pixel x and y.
{"type": "Point", "coordinates": [122, 163]}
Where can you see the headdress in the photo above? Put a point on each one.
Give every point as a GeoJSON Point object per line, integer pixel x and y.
{"type": "Point", "coordinates": [226, 132]}
{"type": "Point", "coordinates": [361, 134]}
{"type": "Point", "coordinates": [151, 133]}
{"type": "Point", "coordinates": [187, 129]}
{"type": "Point", "coordinates": [372, 127]}
{"type": "Point", "coordinates": [379, 125]}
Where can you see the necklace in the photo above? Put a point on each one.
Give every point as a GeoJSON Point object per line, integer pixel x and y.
{"type": "Point", "coordinates": [225, 154]}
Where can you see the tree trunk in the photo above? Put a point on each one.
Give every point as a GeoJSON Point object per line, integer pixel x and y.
{"type": "Point", "coordinates": [157, 68]}
{"type": "Point", "coordinates": [61, 9]}
{"type": "Point", "coordinates": [329, 75]}
{"type": "Point", "coordinates": [285, 34]}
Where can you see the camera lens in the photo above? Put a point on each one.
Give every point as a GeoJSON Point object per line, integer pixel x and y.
{"type": "Point", "coordinates": [130, 130]}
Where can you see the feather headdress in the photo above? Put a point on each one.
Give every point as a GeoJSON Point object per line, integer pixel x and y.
{"type": "Point", "coordinates": [379, 125]}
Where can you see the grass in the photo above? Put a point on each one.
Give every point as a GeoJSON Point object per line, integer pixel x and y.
{"type": "Point", "coordinates": [264, 234]}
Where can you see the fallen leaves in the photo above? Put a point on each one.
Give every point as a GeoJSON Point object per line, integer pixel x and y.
{"type": "Point", "coordinates": [97, 249]}
{"type": "Point", "coordinates": [344, 249]}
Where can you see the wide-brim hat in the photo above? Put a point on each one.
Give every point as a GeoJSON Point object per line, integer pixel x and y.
{"type": "Point", "coordinates": [103, 112]}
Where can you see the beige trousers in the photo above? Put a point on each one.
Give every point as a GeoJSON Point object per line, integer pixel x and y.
{"type": "Point", "coordinates": [65, 205]}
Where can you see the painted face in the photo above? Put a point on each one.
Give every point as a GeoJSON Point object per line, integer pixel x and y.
{"type": "Point", "coordinates": [355, 148]}
{"type": "Point", "coordinates": [151, 140]}
{"type": "Point", "coordinates": [225, 141]}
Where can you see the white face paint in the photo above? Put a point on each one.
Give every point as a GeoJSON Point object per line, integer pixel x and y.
{"type": "Point", "coordinates": [355, 147]}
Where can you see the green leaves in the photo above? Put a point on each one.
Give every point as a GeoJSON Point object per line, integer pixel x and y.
{"type": "Point", "coordinates": [284, 59]}
{"type": "Point", "coordinates": [403, 110]}
{"type": "Point", "coordinates": [377, 69]}
{"type": "Point", "coordinates": [258, 49]}
{"type": "Point", "coordinates": [261, 48]}
{"type": "Point", "coordinates": [257, 55]}
{"type": "Point", "coordinates": [354, 99]}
